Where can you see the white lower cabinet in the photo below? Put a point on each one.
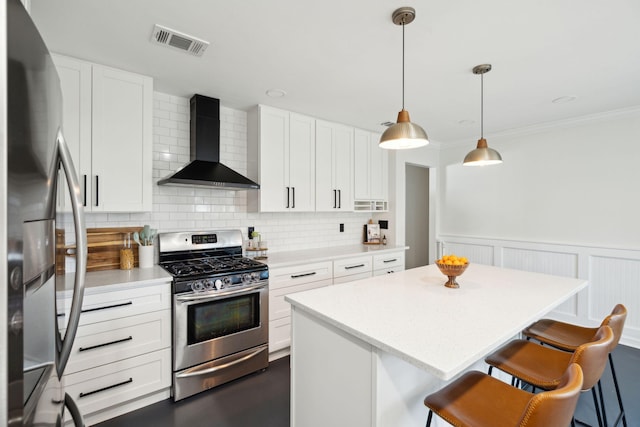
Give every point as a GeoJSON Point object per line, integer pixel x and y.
{"type": "Point", "coordinates": [349, 269]}
{"type": "Point", "coordinates": [388, 263]}
{"type": "Point", "coordinates": [288, 280]}
{"type": "Point", "coordinates": [121, 357]}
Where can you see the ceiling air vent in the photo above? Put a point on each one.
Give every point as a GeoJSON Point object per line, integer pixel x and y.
{"type": "Point", "coordinates": [168, 37]}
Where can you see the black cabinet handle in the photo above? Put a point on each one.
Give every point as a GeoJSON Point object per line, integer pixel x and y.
{"type": "Point", "coordinates": [295, 276]}
{"type": "Point", "coordinates": [97, 190]}
{"type": "Point", "coordinates": [349, 267]}
{"type": "Point", "coordinates": [293, 192]}
{"type": "Point", "coordinates": [390, 260]}
{"type": "Point", "coordinates": [109, 387]}
{"type": "Point", "coordinates": [84, 198]}
{"type": "Point", "coordinates": [288, 197]}
{"type": "Point", "coordinates": [93, 347]}
{"type": "Point", "coordinates": [339, 199]}
{"type": "Point", "coordinates": [334, 198]}
{"type": "Point", "coordinates": [106, 307]}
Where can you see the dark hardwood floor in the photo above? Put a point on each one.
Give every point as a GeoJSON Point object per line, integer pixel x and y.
{"type": "Point", "coordinates": [262, 399]}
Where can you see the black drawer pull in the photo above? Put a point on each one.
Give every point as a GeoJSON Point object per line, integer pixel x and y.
{"type": "Point", "coordinates": [129, 338]}
{"type": "Point", "coordinates": [130, 380]}
{"type": "Point", "coordinates": [105, 307]}
{"type": "Point", "coordinates": [349, 267]}
{"type": "Point", "coordinates": [295, 276]}
{"type": "Point", "coordinates": [390, 260]}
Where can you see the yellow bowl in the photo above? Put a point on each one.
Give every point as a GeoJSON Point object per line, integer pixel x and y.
{"type": "Point", "coordinates": [452, 271]}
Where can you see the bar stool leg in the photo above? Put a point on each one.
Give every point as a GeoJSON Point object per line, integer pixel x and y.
{"type": "Point", "coordinates": [604, 411]}
{"type": "Point", "coordinates": [597, 406]}
{"type": "Point", "coordinates": [615, 383]}
{"type": "Point", "coordinates": [429, 418]}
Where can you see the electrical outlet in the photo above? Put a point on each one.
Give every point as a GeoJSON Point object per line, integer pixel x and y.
{"type": "Point", "coordinates": [342, 228]}
{"type": "Point", "coordinates": [251, 230]}
{"type": "Point", "coordinates": [384, 224]}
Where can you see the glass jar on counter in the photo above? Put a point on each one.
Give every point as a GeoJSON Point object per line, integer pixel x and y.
{"type": "Point", "coordinates": [126, 253]}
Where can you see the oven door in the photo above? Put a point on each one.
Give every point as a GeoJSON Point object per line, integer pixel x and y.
{"type": "Point", "coordinates": [207, 327]}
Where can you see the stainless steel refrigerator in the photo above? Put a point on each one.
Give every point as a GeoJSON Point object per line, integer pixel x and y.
{"type": "Point", "coordinates": [36, 337]}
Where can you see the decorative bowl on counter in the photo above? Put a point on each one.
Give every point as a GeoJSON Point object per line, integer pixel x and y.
{"type": "Point", "coordinates": [452, 267]}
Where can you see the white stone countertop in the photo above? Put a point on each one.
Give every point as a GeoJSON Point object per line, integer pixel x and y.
{"type": "Point", "coordinates": [285, 259]}
{"type": "Point", "coordinates": [115, 279]}
{"type": "Point", "coordinates": [412, 315]}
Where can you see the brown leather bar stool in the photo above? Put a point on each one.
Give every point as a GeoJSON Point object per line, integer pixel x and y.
{"type": "Point", "coordinates": [479, 400]}
{"type": "Point", "coordinates": [569, 337]}
{"type": "Point", "coordinates": [542, 366]}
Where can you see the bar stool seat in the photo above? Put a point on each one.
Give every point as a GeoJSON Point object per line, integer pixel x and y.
{"type": "Point", "coordinates": [569, 337]}
{"type": "Point", "coordinates": [543, 367]}
{"type": "Point", "coordinates": [479, 400]}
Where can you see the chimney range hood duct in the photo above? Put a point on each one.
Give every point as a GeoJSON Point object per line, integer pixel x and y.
{"type": "Point", "coordinates": [205, 169]}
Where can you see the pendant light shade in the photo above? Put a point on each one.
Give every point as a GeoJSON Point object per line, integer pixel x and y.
{"type": "Point", "coordinates": [482, 155]}
{"type": "Point", "coordinates": [403, 134]}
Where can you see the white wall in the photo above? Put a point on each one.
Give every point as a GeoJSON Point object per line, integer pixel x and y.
{"type": "Point", "coordinates": [180, 208]}
{"type": "Point", "coordinates": [576, 183]}
{"type": "Point", "coordinates": [564, 202]}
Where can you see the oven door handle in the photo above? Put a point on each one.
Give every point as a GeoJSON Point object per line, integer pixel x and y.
{"type": "Point", "coordinates": [195, 373]}
{"type": "Point", "coordinates": [208, 297]}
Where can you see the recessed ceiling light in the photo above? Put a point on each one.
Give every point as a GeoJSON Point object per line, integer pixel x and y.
{"type": "Point", "coordinates": [564, 99]}
{"type": "Point", "coordinates": [276, 93]}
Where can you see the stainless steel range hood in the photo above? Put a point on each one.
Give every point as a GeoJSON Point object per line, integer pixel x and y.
{"type": "Point", "coordinates": [205, 169]}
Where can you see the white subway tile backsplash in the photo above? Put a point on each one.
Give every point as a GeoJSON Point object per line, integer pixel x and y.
{"type": "Point", "coordinates": [190, 208]}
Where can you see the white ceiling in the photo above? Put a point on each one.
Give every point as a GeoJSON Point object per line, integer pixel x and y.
{"type": "Point", "coordinates": [341, 60]}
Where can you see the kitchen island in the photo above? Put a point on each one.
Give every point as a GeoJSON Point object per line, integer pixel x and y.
{"type": "Point", "coordinates": [366, 353]}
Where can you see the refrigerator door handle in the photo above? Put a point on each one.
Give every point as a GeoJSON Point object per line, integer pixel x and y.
{"type": "Point", "coordinates": [76, 416]}
{"type": "Point", "coordinates": [81, 255]}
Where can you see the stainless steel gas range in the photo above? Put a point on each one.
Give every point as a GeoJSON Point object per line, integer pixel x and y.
{"type": "Point", "coordinates": [220, 309]}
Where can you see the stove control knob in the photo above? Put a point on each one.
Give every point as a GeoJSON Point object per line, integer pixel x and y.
{"type": "Point", "coordinates": [246, 278]}
{"type": "Point", "coordinates": [197, 286]}
{"type": "Point", "coordinates": [226, 281]}
{"type": "Point", "coordinates": [255, 276]}
{"type": "Point", "coordinates": [208, 284]}
{"type": "Point", "coordinates": [218, 284]}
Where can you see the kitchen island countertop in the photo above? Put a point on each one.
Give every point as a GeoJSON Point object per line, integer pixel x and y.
{"type": "Point", "coordinates": [374, 348]}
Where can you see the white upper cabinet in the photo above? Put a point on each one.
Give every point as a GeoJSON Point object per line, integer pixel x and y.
{"type": "Point", "coordinates": [284, 145]}
{"type": "Point", "coordinates": [371, 173]}
{"type": "Point", "coordinates": [334, 167]}
{"type": "Point", "coordinates": [107, 122]}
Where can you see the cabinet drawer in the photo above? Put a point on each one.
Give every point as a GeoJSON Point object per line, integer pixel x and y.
{"type": "Point", "coordinates": [349, 266]}
{"type": "Point", "coordinates": [387, 271]}
{"type": "Point", "coordinates": [392, 260]}
{"type": "Point", "coordinates": [279, 308]}
{"type": "Point", "coordinates": [110, 305]}
{"type": "Point", "coordinates": [279, 334]}
{"type": "Point", "coordinates": [105, 342]}
{"type": "Point", "coordinates": [105, 386]}
{"type": "Point", "coordinates": [298, 274]}
{"type": "Point", "coordinates": [351, 277]}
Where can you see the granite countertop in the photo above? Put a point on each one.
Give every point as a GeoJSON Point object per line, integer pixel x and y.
{"type": "Point", "coordinates": [412, 315]}
{"type": "Point", "coordinates": [116, 279]}
{"type": "Point", "coordinates": [284, 259]}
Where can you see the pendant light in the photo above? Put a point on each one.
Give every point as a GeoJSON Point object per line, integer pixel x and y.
{"type": "Point", "coordinates": [403, 134]}
{"type": "Point", "coordinates": [482, 155]}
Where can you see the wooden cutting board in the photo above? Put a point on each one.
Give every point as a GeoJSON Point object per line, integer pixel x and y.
{"type": "Point", "coordinates": [104, 246]}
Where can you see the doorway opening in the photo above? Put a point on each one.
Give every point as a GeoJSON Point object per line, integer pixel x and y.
{"type": "Point", "coordinates": [416, 216]}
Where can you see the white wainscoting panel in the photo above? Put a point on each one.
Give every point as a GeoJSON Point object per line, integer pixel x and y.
{"type": "Point", "coordinates": [613, 275]}
{"type": "Point", "coordinates": [615, 280]}
{"type": "Point", "coordinates": [480, 254]}
{"type": "Point", "coordinates": [547, 262]}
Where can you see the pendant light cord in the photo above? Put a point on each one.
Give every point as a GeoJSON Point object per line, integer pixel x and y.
{"type": "Point", "coordinates": [482, 105]}
{"type": "Point", "coordinates": [403, 63]}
